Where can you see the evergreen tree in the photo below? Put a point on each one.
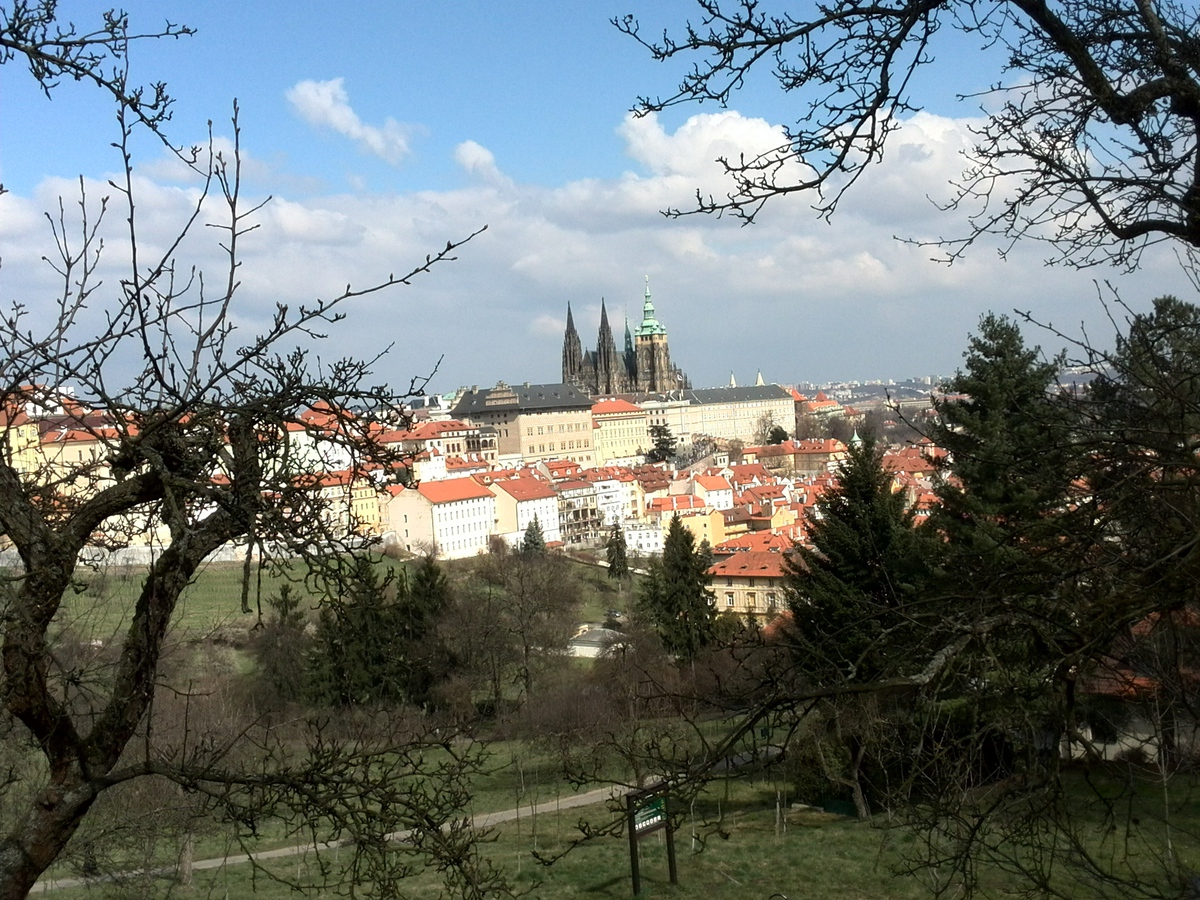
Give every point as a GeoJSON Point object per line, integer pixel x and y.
{"type": "Point", "coordinates": [662, 444]}
{"type": "Point", "coordinates": [618, 559]}
{"type": "Point", "coordinates": [849, 594]}
{"type": "Point", "coordinates": [353, 662]}
{"type": "Point", "coordinates": [421, 656]}
{"type": "Point", "coordinates": [1013, 455]}
{"type": "Point", "coordinates": [282, 645]}
{"type": "Point", "coordinates": [534, 543]}
{"type": "Point", "coordinates": [676, 598]}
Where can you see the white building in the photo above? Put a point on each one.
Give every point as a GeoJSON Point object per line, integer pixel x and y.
{"type": "Point", "coordinates": [456, 516]}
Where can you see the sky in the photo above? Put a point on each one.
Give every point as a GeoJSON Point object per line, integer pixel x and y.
{"type": "Point", "coordinates": [383, 131]}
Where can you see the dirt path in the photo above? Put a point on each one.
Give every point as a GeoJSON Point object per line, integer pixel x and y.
{"type": "Point", "coordinates": [483, 820]}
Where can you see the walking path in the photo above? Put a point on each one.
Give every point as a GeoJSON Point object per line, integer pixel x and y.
{"type": "Point", "coordinates": [483, 820]}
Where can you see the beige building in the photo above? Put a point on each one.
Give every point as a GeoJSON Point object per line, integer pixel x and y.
{"type": "Point", "coordinates": [534, 422]}
{"type": "Point", "coordinates": [749, 583]}
{"type": "Point", "coordinates": [729, 413]}
{"type": "Point", "coordinates": [622, 432]}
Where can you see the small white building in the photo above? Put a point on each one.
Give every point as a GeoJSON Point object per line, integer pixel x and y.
{"type": "Point", "coordinates": [456, 516]}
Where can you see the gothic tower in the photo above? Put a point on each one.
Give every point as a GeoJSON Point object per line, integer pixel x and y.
{"type": "Point", "coordinates": [608, 365]}
{"type": "Point", "coordinates": [654, 369]}
{"type": "Point", "coordinates": [631, 371]}
{"type": "Point", "coordinates": [572, 352]}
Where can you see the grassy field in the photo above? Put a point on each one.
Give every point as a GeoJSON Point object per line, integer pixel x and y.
{"type": "Point", "coordinates": [103, 601]}
{"type": "Point", "coordinates": [728, 847]}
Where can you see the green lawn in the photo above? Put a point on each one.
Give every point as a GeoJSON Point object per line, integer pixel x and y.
{"type": "Point", "coordinates": [736, 853]}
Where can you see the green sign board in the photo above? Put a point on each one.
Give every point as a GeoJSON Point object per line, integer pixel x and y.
{"type": "Point", "coordinates": [650, 815]}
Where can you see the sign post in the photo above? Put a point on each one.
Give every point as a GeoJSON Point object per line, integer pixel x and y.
{"type": "Point", "coordinates": [647, 812]}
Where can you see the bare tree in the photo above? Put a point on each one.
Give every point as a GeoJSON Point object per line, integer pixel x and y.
{"type": "Point", "coordinates": [185, 421]}
{"type": "Point", "coordinates": [1090, 133]}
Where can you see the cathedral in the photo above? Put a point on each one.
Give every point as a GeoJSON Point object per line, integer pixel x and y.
{"type": "Point", "coordinates": [643, 367]}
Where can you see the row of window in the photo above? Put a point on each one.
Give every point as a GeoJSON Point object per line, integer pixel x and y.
{"type": "Point", "coordinates": [752, 599]}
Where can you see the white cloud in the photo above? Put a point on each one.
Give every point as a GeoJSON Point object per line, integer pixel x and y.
{"type": "Point", "coordinates": [326, 104]}
{"type": "Point", "coordinates": [794, 295]}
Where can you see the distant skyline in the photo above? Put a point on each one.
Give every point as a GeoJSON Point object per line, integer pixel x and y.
{"type": "Point", "coordinates": [389, 128]}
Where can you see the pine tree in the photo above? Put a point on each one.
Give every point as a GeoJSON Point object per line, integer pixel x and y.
{"type": "Point", "coordinates": [353, 661]}
{"type": "Point", "coordinates": [676, 598]}
{"type": "Point", "coordinates": [663, 444]}
{"type": "Point", "coordinates": [848, 594]}
{"type": "Point", "coordinates": [618, 559]}
{"type": "Point", "coordinates": [421, 656]}
{"type": "Point", "coordinates": [534, 543]}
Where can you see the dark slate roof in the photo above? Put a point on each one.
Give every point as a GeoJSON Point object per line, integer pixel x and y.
{"type": "Point", "coordinates": [750, 393]}
{"type": "Point", "coordinates": [528, 397]}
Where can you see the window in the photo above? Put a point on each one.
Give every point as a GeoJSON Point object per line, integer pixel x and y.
{"type": "Point", "coordinates": [728, 582]}
{"type": "Point", "coordinates": [729, 598]}
{"type": "Point", "coordinates": [750, 599]}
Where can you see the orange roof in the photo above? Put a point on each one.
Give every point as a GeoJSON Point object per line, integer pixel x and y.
{"type": "Point", "coordinates": [452, 490]}
{"type": "Point", "coordinates": [713, 483]}
{"type": "Point", "coordinates": [526, 488]}
{"type": "Point", "coordinates": [760, 541]}
{"type": "Point", "coordinates": [675, 502]}
{"type": "Point", "coordinates": [750, 563]}
{"type": "Point", "coordinates": [613, 405]}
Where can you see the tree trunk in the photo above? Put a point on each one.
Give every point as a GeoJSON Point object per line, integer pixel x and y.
{"type": "Point", "coordinates": [27, 851]}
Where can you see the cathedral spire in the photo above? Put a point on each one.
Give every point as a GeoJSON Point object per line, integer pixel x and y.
{"type": "Point", "coordinates": [650, 324]}
{"type": "Point", "coordinates": [572, 353]}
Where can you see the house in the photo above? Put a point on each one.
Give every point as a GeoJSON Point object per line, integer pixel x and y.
{"type": "Point", "coordinates": [533, 422]}
{"type": "Point", "coordinates": [749, 583]}
{"type": "Point", "coordinates": [454, 516]}
{"type": "Point", "coordinates": [622, 432]}
{"type": "Point", "coordinates": [519, 501]}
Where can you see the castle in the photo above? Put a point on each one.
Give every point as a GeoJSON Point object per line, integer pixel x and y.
{"type": "Point", "coordinates": [643, 367]}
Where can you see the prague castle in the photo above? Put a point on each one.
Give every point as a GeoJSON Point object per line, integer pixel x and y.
{"type": "Point", "coordinates": [643, 367]}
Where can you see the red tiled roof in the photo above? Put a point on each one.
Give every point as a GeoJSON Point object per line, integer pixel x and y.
{"type": "Point", "coordinates": [526, 488]}
{"type": "Point", "coordinates": [452, 489]}
{"type": "Point", "coordinates": [613, 405]}
{"type": "Point", "coordinates": [752, 563]}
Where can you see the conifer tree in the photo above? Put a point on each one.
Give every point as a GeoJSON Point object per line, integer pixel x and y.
{"type": "Point", "coordinates": [676, 598]}
{"type": "Point", "coordinates": [534, 542]}
{"type": "Point", "coordinates": [618, 558]}
{"type": "Point", "coordinates": [848, 593]}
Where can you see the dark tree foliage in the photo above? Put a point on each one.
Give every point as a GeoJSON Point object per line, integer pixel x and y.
{"type": "Point", "coordinates": [616, 552]}
{"type": "Point", "coordinates": [1089, 136]}
{"type": "Point", "coordinates": [282, 646]}
{"type": "Point", "coordinates": [777, 435]}
{"type": "Point", "coordinates": [378, 642]}
{"type": "Point", "coordinates": [534, 542]}
{"type": "Point", "coordinates": [1007, 485]}
{"type": "Point", "coordinates": [852, 593]}
{"type": "Point", "coordinates": [675, 596]}
{"type": "Point", "coordinates": [354, 662]}
{"type": "Point", "coordinates": [663, 444]}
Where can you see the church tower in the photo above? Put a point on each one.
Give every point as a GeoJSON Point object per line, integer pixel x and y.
{"type": "Point", "coordinates": [608, 364]}
{"type": "Point", "coordinates": [572, 353]}
{"type": "Point", "coordinates": [654, 370]}
{"type": "Point", "coordinates": [631, 371]}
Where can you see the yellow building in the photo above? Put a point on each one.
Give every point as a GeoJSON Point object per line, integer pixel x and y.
{"type": "Point", "coordinates": [622, 432]}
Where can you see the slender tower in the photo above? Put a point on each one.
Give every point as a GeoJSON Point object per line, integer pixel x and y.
{"type": "Point", "coordinates": [654, 369]}
{"type": "Point", "coordinates": [572, 353]}
{"type": "Point", "coordinates": [607, 362]}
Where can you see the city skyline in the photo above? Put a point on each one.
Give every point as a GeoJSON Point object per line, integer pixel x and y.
{"type": "Point", "coordinates": [388, 131]}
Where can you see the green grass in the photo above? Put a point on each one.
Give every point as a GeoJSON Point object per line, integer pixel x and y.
{"type": "Point", "coordinates": [738, 853]}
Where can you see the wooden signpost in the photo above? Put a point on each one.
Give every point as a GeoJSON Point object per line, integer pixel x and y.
{"type": "Point", "coordinates": [647, 812]}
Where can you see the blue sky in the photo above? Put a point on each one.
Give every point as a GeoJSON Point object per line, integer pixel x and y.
{"type": "Point", "coordinates": [387, 129]}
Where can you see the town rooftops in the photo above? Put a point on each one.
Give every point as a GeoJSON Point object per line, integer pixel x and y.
{"type": "Point", "coordinates": [521, 398]}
